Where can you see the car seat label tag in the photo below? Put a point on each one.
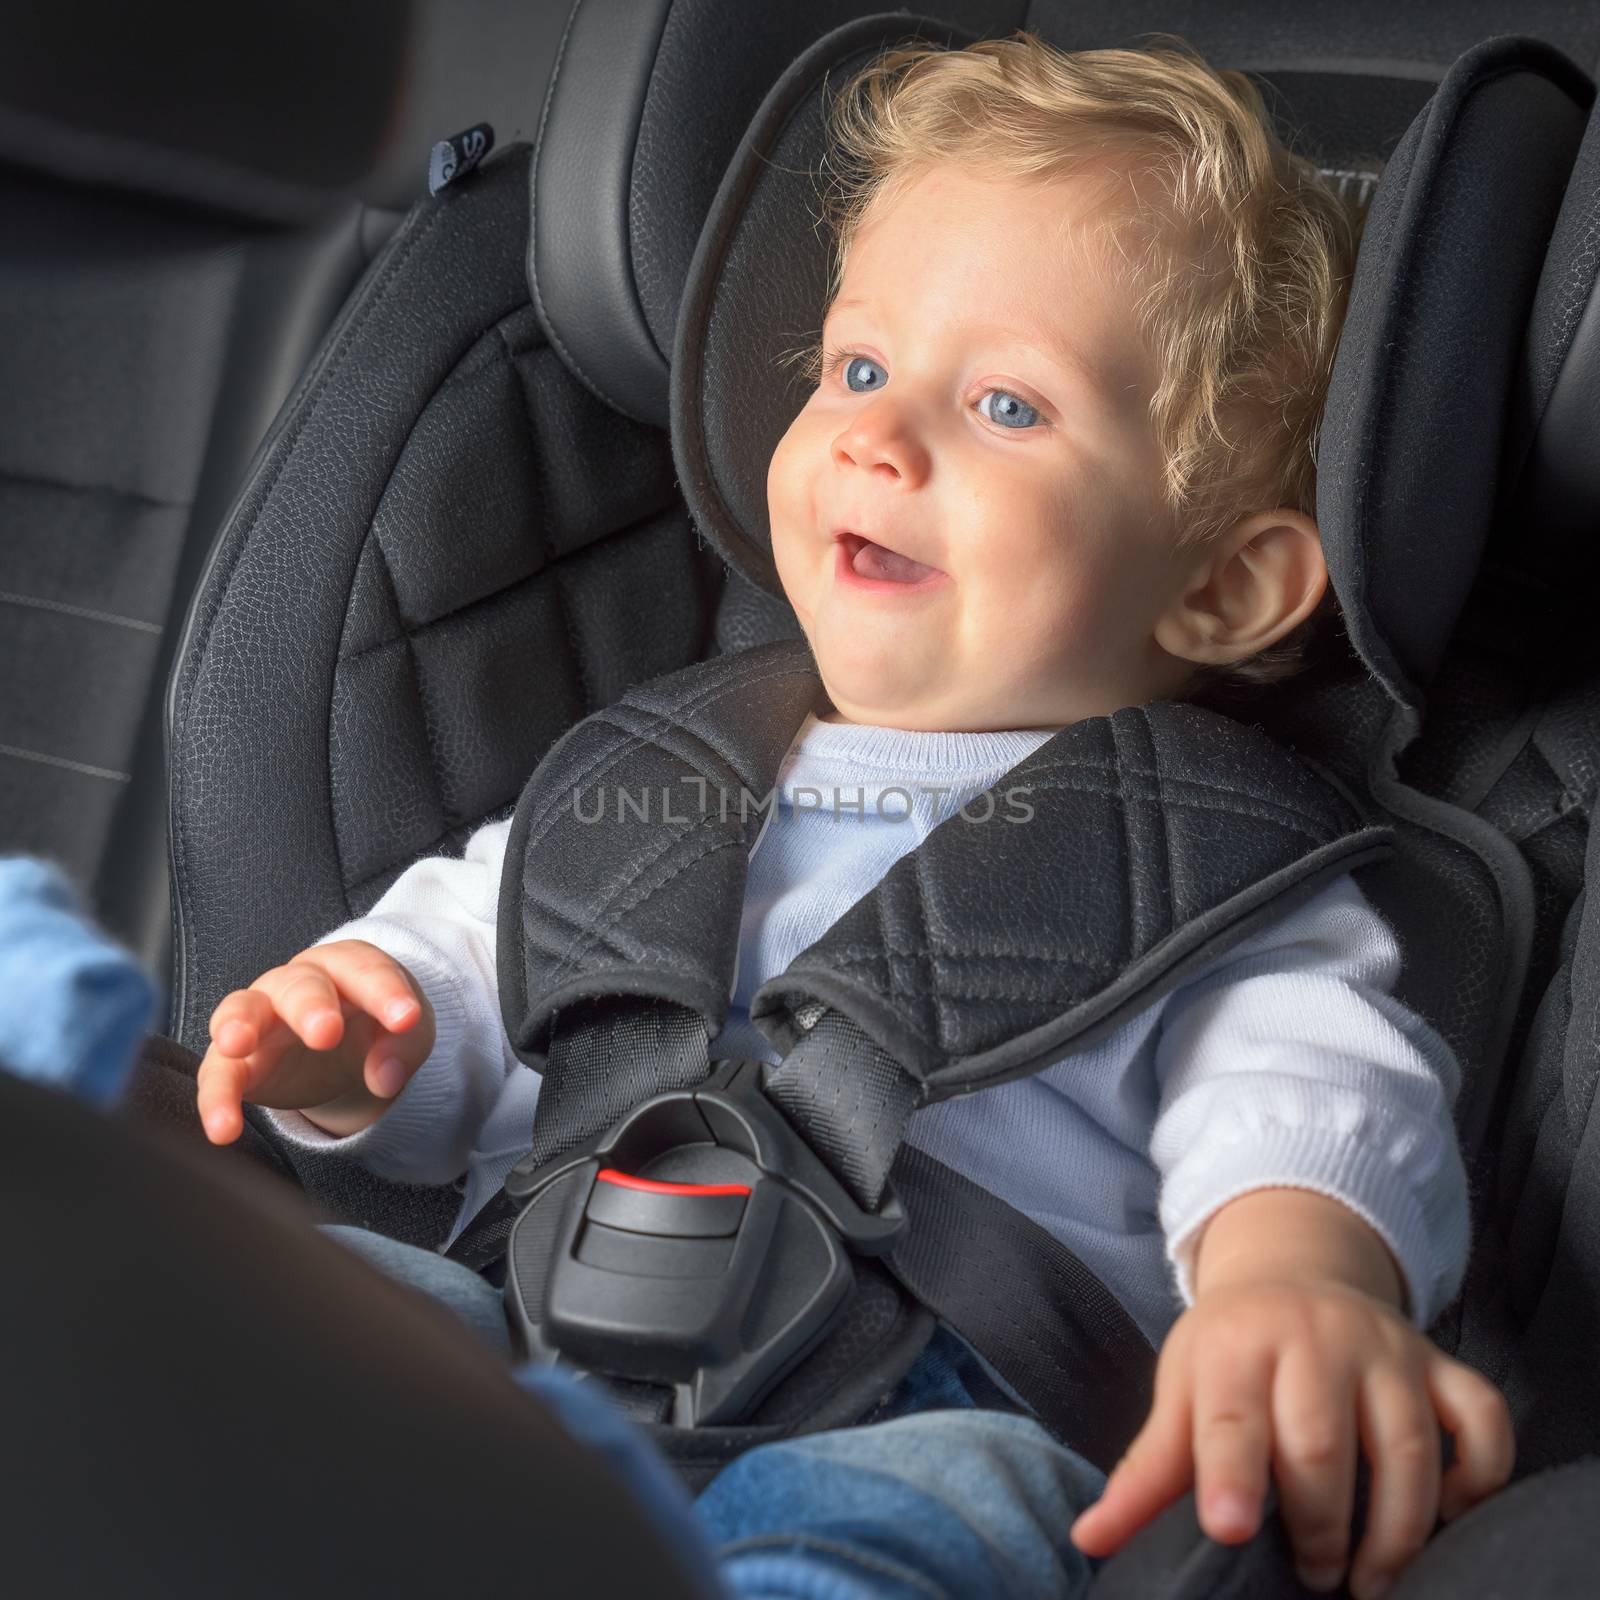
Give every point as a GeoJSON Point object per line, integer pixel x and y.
{"type": "Point", "coordinates": [454, 158]}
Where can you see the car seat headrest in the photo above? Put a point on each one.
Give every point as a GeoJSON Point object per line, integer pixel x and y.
{"type": "Point", "coordinates": [1444, 281]}
{"type": "Point", "coordinates": [1409, 461]}
{"type": "Point", "coordinates": [631, 148]}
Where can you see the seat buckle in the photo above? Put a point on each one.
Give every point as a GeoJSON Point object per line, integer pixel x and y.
{"type": "Point", "coordinates": [699, 1244]}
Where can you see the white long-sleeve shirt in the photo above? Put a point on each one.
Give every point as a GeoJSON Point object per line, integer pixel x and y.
{"type": "Point", "coordinates": [1287, 1061]}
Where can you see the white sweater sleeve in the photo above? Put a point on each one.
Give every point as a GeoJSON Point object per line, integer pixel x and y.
{"type": "Point", "coordinates": [1291, 1063]}
{"type": "Point", "coordinates": [438, 919]}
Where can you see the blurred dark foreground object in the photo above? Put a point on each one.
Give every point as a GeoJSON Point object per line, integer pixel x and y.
{"type": "Point", "coordinates": [204, 1397]}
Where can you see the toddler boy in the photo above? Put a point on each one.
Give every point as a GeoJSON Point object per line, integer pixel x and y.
{"type": "Point", "coordinates": [1059, 460]}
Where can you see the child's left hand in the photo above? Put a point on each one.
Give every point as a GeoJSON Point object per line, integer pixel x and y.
{"type": "Point", "coordinates": [1289, 1373]}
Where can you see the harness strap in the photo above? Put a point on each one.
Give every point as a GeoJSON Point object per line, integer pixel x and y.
{"type": "Point", "coordinates": [849, 1099]}
{"type": "Point", "coordinates": [1062, 1341]}
{"type": "Point", "coordinates": [606, 1056]}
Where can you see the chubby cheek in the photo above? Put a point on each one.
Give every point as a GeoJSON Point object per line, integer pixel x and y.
{"type": "Point", "coordinates": [791, 517]}
{"type": "Point", "coordinates": [1055, 607]}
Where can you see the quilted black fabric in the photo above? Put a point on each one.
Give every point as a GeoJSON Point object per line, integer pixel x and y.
{"type": "Point", "coordinates": [447, 553]}
{"type": "Point", "coordinates": [1176, 831]}
{"type": "Point", "coordinates": [425, 581]}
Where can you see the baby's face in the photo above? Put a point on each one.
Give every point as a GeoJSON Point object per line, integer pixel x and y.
{"type": "Point", "coordinates": [987, 427]}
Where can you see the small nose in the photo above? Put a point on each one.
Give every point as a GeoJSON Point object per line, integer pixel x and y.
{"type": "Point", "coordinates": [880, 439]}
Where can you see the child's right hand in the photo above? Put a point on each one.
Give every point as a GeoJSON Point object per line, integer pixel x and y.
{"type": "Point", "coordinates": [336, 1032]}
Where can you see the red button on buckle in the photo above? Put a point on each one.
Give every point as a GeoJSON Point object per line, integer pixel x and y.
{"type": "Point", "coordinates": [624, 1180]}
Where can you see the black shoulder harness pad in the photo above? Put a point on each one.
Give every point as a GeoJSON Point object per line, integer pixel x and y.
{"type": "Point", "coordinates": [1160, 836]}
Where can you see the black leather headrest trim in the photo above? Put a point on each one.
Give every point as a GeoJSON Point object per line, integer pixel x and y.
{"type": "Point", "coordinates": [580, 261]}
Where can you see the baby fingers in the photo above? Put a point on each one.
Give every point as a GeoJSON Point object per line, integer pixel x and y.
{"type": "Point", "coordinates": [220, 1084]}
{"type": "Point", "coordinates": [1314, 1462]}
{"type": "Point", "coordinates": [1232, 1438]}
{"type": "Point", "coordinates": [1475, 1414]}
{"type": "Point", "coordinates": [1401, 1439]}
{"type": "Point", "coordinates": [1155, 1471]}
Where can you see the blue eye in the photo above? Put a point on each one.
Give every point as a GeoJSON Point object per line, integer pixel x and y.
{"type": "Point", "coordinates": [1012, 408]}
{"type": "Point", "coordinates": [1013, 413]}
{"type": "Point", "coordinates": [857, 361]}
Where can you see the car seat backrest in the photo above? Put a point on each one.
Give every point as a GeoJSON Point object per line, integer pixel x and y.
{"type": "Point", "coordinates": [1411, 444]}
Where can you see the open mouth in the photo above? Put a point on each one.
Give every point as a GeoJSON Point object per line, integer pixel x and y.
{"type": "Point", "coordinates": [870, 565]}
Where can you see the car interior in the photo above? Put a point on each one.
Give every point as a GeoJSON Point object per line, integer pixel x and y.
{"type": "Point", "coordinates": [333, 503]}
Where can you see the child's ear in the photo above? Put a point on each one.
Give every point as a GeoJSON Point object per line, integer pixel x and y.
{"type": "Point", "coordinates": [1248, 588]}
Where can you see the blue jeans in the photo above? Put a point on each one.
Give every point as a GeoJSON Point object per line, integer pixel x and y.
{"type": "Point", "coordinates": [948, 1489]}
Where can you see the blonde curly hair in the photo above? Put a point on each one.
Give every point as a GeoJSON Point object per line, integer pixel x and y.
{"type": "Point", "coordinates": [1241, 251]}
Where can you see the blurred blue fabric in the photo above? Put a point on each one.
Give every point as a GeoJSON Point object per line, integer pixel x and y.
{"type": "Point", "coordinates": [74, 1005]}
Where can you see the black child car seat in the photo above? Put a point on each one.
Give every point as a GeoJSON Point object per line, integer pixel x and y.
{"type": "Point", "coordinates": [423, 652]}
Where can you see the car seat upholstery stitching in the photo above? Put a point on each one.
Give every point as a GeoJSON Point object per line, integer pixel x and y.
{"type": "Point", "coordinates": [1120, 792]}
{"type": "Point", "coordinates": [949, 950]}
{"type": "Point", "coordinates": [957, 986]}
{"type": "Point", "coordinates": [585, 934]}
{"type": "Point", "coordinates": [1130, 767]}
{"type": "Point", "coordinates": [450, 838]}
{"type": "Point", "coordinates": [17, 752]}
{"type": "Point", "coordinates": [975, 991]}
{"type": "Point", "coordinates": [473, 346]}
{"type": "Point", "coordinates": [1163, 800]}
{"type": "Point", "coordinates": [80, 611]}
{"type": "Point", "coordinates": [615, 909]}
{"type": "Point", "coordinates": [1262, 813]}
{"type": "Point", "coordinates": [607, 760]}
{"type": "Point", "coordinates": [956, 954]}
{"type": "Point", "coordinates": [413, 630]}
{"type": "Point", "coordinates": [933, 1019]}
{"type": "Point", "coordinates": [434, 763]}
{"type": "Point", "coordinates": [711, 757]}
{"type": "Point", "coordinates": [552, 562]}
